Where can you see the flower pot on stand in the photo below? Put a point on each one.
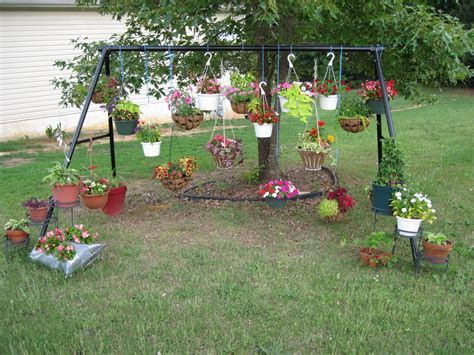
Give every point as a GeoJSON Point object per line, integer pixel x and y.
{"type": "Point", "coordinates": [38, 215]}
{"type": "Point", "coordinates": [208, 102]}
{"type": "Point", "coordinates": [65, 195]}
{"type": "Point", "coordinates": [263, 130]}
{"type": "Point", "coordinates": [151, 149]}
{"type": "Point", "coordinates": [437, 254]}
{"type": "Point", "coordinates": [283, 100]}
{"type": "Point", "coordinates": [312, 160]}
{"type": "Point", "coordinates": [95, 202]}
{"type": "Point", "coordinates": [276, 202]}
{"type": "Point", "coordinates": [408, 227]}
{"type": "Point", "coordinates": [376, 106]}
{"type": "Point", "coordinates": [354, 125]}
{"type": "Point", "coordinates": [126, 128]}
{"type": "Point", "coordinates": [16, 236]}
{"type": "Point", "coordinates": [381, 199]}
{"type": "Point", "coordinates": [240, 107]}
{"type": "Point", "coordinates": [187, 122]}
{"type": "Point", "coordinates": [116, 201]}
{"type": "Point", "coordinates": [328, 103]}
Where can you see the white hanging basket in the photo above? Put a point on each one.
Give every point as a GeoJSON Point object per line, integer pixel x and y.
{"type": "Point", "coordinates": [328, 103]}
{"type": "Point", "coordinates": [408, 227]}
{"type": "Point", "coordinates": [283, 101]}
{"type": "Point", "coordinates": [208, 102]}
{"type": "Point", "coordinates": [151, 149]}
{"type": "Point", "coordinates": [263, 130]}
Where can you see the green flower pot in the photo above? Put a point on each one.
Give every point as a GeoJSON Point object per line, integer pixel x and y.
{"type": "Point", "coordinates": [276, 203]}
{"type": "Point", "coordinates": [376, 106]}
{"type": "Point", "coordinates": [381, 199]}
{"type": "Point", "coordinates": [126, 128]}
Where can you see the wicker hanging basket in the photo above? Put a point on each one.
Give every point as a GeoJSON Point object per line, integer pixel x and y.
{"type": "Point", "coordinates": [187, 122]}
{"type": "Point", "coordinates": [225, 161]}
{"type": "Point", "coordinates": [175, 184]}
{"type": "Point", "coordinates": [312, 160]}
{"type": "Point", "coordinates": [98, 97]}
{"type": "Point", "coordinates": [354, 125]}
{"type": "Point", "coordinates": [240, 107]}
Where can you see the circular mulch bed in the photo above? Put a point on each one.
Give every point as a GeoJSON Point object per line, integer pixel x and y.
{"type": "Point", "coordinates": [232, 188]}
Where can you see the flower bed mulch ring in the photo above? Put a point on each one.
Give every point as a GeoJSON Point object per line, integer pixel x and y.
{"type": "Point", "coordinates": [235, 189]}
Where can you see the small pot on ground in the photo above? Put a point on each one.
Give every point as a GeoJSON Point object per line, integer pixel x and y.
{"type": "Point", "coordinates": [365, 254]}
{"type": "Point", "coordinates": [335, 219]}
{"type": "Point", "coordinates": [37, 209]}
{"type": "Point", "coordinates": [436, 247]}
{"type": "Point", "coordinates": [16, 236]}
{"type": "Point", "coordinates": [187, 122]}
{"type": "Point", "coordinates": [276, 203]}
{"type": "Point", "coordinates": [17, 230]}
{"type": "Point", "coordinates": [116, 201]}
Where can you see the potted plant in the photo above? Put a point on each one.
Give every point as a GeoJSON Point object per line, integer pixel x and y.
{"type": "Point", "coordinates": [176, 176]}
{"type": "Point", "coordinates": [328, 93]}
{"type": "Point", "coordinates": [106, 91]}
{"type": "Point", "coordinates": [313, 146]}
{"type": "Point", "coordinates": [278, 192]}
{"type": "Point", "coordinates": [390, 175]}
{"type": "Point", "coordinates": [410, 209]}
{"type": "Point", "coordinates": [280, 91]}
{"type": "Point", "coordinates": [125, 116]}
{"type": "Point", "coordinates": [208, 94]}
{"type": "Point", "coordinates": [354, 114]}
{"type": "Point", "coordinates": [436, 247]}
{"type": "Point", "coordinates": [240, 92]}
{"type": "Point", "coordinates": [262, 117]}
{"type": "Point", "coordinates": [371, 92]}
{"type": "Point", "coordinates": [224, 150]}
{"type": "Point", "coordinates": [116, 201]}
{"type": "Point", "coordinates": [65, 184]}
{"type": "Point", "coordinates": [299, 101]}
{"type": "Point", "coordinates": [183, 109]}
{"type": "Point", "coordinates": [37, 209]}
{"type": "Point", "coordinates": [344, 203]}
{"type": "Point", "coordinates": [17, 230]}
{"type": "Point", "coordinates": [149, 135]}
{"type": "Point", "coordinates": [95, 192]}
{"type": "Point", "coordinates": [376, 250]}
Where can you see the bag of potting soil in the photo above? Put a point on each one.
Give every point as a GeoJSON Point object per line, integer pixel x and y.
{"type": "Point", "coordinates": [85, 254]}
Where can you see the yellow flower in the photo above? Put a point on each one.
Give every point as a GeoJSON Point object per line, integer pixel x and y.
{"type": "Point", "coordinates": [331, 138]}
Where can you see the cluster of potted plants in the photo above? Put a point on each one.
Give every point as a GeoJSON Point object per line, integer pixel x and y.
{"type": "Point", "coordinates": [278, 192]}
{"type": "Point", "coordinates": [149, 135]}
{"type": "Point", "coordinates": [184, 111]}
{"type": "Point", "coordinates": [176, 176]}
{"type": "Point", "coordinates": [376, 250]}
{"type": "Point", "coordinates": [240, 92]}
{"type": "Point", "coordinates": [224, 150]}
{"type": "Point", "coordinates": [208, 93]}
{"type": "Point", "coordinates": [371, 92]}
{"type": "Point", "coordinates": [314, 145]}
{"type": "Point", "coordinates": [354, 114]}
{"type": "Point", "coordinates": [335, 206]}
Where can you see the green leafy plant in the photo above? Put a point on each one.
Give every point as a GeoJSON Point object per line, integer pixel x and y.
{"type": "Point", "coordinates": [379, 245]}
{"type": "Point", "coordinates": [438, 238]}
{"type": "Point", "coordinates": [392, 166]}
{"type": "Point", "coordinates": [116, 181]}
{"type": "Point", "coordinates": [126, 111]}
{"type": "Point", "coordinates": [300, 103]}
{"type": "Point", "coordinates": [242, 87]}
{"type": "Point", "coordinates": [148, 133]}
{"type": "Point", "coordinates": [252, 176]}
{"type": "Point", "coordinates": [16, 225]}
{"type": "Point", "coordinates": [353, 106]}
{"type": "Point", "coordinates": [328, 208]}
{"type": "Point", "coordinates": [49, 132]}
{"type": "Point", "coordinates": [60, 175]}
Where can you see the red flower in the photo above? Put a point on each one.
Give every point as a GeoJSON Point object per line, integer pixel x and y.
{"type": "Point", "coordinates": [92, 167]}
{"type": "Point", "coordinates": [321, 123]}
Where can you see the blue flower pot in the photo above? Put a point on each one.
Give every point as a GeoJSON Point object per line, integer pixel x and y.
{"type": "Point", "coordinates": [381, 199]}
{"type": "Point", "coordinates": [126, 128]}
{"type": "Point", "coordinates": [376, 106]}
{"type": "Point", "coordinates": [275, 202]}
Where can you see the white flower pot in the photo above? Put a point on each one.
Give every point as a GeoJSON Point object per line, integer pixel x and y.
{"type": "Point", "coordinates": [328, 103]}
{"type": "Point", "coordinates": [283, 100]}
{"type": "Point", "coordinates": [263, 130]}
{"type": "Point", "coordinates": [208, 102]}
{"type": "Point", "coordinates": [407, 226]}
{"type": "Point", "coordinates": [151, 149]}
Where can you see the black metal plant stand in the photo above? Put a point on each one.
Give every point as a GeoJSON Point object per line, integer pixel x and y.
{"type": "Point", "coordinates": [415, 241]}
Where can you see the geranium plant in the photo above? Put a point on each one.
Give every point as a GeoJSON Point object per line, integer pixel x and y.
{"type": "Point", "coordinates": [182, 103]}
{"type": "Point", "coordinates": [94, 185]}
{"type": "Point", "coordinates": [261, 113]}
{"type": "Point", "coordinates": [148, 133]}
{"type": "Point", "coordinates": [80, 234]}
{"type": "Point", "coordinates": [371, 90]}
{"type": "Point", "coordinates": [56, 243]}
{"type": "Point", "coordinates": [184, 168]}
{"type": "Point", "coordinates": [344, 200]}
{"type": "Point", "coordinates": [206, 85]}
{"type": "Point", "coordinates": [329, 87]}
{"type": "Point", "coordinates": [225, 148]}
{"type": "Point", "coordinates": [316, 140]}
{"type": "Point", "coordinates": [412, 205]}
{"type": "Point", "coordinates": [278, 189]}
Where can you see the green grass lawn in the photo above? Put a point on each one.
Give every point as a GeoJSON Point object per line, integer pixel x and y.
{"type": "Point", "coordinates": [237, 277]}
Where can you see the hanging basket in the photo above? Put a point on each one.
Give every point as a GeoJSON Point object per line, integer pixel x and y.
{"type": "Point", "coordinates": [208, 102]}
{"type": "Point", "coordinates": [328, 103]}
{"type": "Point", "coordinates": [95, 202]}
{"type": "Point", "coordinates": [225, 160]}
{"type": "Point", "coordinates": [126, 127]}
{"type": "Point", "coordinates": [283, 100]}
{"type": "Point", "coordinates": [98, 97]}
{"type": "Point", "coordinates": [240, 107]}
{"type": "Point", "coordinates": [376, 106]}
{"type": "Point", "coordinates": [175, 184]}
{"type": "Point", "coordinates": [151, 149]}
{"type": "Point", "coordinates": [354, 125]}
{"type": "Point", "coordinates": [187, 122]}
{"type": "Point", "coordinates": [312, 161]}
{"type": "Point", "coordinates": [263, 130]}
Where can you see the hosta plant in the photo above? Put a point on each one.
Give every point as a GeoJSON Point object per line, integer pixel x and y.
{"type": "Point", "coordinates": [60, 175]}
{"type": "Point", "coordinates": [18, 225]}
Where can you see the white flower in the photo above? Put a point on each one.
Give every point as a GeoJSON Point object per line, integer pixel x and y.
{"type": "Point", "coordinates": [429, 204]}
{"type": "Point", "coordinates": [433, 210]}
{"type": "Point", "coordinates": [266, 194]}
{"type": "Point", "coordinates": [413, 200]}
{"type": "Point", "coordinates": [404, 189]}
{"type": "Point", "coordinates": [404, 209]}
{"type": "Point", "coordinates": [398, 195]}
{"type": "Point", "coordinates": [274, 195]}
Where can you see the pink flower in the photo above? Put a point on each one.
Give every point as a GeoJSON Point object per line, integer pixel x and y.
{"type": "Point", "coordinates": [188, 100]}
{"type": "Point", "coordinates": [85, 234]}
{"type": "Point", "coordinates": [60, 248]}
{"type": "Point", "coordinates": [76, 239]}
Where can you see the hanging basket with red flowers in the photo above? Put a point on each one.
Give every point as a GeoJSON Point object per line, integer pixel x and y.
{"type": "Point", "coordinates": [263, 117]}
{"type": "Point", "coordinates": [371, 92]}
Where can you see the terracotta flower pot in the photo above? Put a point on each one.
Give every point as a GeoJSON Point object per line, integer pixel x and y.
{"type": "Point", "coordinates": [385, 257]}
{"type": "Point", "coordinates": [116, 201]}
{"type": "Point", "coordinates": [437, 254]}
{"type": "Point", "coordinates": [38, 215]}
{"type": "Point", "coordinates": [240, 107]}
{"type": "Point", "coordinates": [95, 202]}
{"type": "Point", "coordinates": [16, 236]}
{"type": "Point", "coordinates": [175, 184]}
{"type": "Point", "coordinates": [66, 195]}
{"type": "Point", "coordinates": [335, 219]}
{"type": "Point", "coordinates": [187, 122]}
{"type": "Point", "coordinates": [353, 125]}
{"type": "Point", "coordinates": [312, 161]}
{"type": "Point", "coordinates": [364, 254]}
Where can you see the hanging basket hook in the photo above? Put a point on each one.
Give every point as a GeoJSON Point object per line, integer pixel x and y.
{"type": "Point", "coordinates": [289, 58]}
{"type": "Point", "coordinates": [332, 58]}
{"type": "Point", "coordinates": [261, 85]}
{"type": "Point", "coordinates": [208, 54]}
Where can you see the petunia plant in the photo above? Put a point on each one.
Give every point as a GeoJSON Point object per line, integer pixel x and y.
{"type": "Point", "coordinates": [413, 205]}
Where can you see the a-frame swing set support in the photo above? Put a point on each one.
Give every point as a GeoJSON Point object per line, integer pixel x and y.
{"type": "Point", "coordinates": [104, 61]}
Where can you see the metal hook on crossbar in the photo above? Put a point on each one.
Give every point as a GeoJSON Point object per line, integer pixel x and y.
{"type": "Point", "coordinates": [332, 58]}
{"type": "Point", "coordinates": [289, 58]}
{"type": "Point", "coordinates": [262, 83]}
{"type": "Point", "coordinates": [208, 63]}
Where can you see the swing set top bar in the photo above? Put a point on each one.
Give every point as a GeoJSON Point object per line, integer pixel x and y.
{"type": "Point", "coordinates": [244, 48]}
